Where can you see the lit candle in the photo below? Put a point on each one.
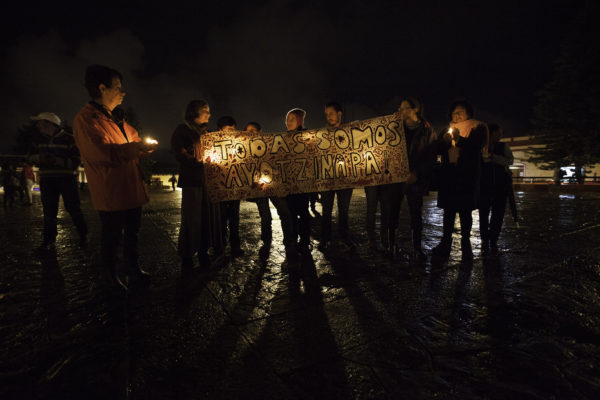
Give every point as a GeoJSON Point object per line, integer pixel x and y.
{"type": "Point", "coordinates": [149, 140]}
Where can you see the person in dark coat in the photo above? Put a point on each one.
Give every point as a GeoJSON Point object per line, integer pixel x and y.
{"type": "Point", "coordinates": [230, 209]}
{"type": "Point", "coordinates": [333, 114]}
{"type": "Point", "coordinates": [461, 147]}
{"type": "Point", "coordinates": [495, 183]}
{"type": "Point", "coordinates": [420, 140]}
{"type": "Point", "coordinates": [298, 203]}
{"type": "Point", "coordinates": [54, 151]}
{"type": "Point", "coordinates": [262, 203]}
{"type": "Point", "coordinates": [200, 218]}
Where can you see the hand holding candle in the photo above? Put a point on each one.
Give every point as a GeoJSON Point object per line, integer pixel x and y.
{"type": "Point", "coordinates": [149, 145]}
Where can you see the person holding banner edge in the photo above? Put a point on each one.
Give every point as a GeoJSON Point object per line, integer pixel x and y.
{"type": "Point", "coordinates": [230, 209]}
{"type": "Point", "coordinates": [200, 219]}
{"type": "Point", "coordinates": [420, 148]}
{"type": "Point", "coordinates": [280, 203]}
{"type": "Point", "coordinates": [298, 203]}
{"type": "Point", "coordinates": [333, 115]}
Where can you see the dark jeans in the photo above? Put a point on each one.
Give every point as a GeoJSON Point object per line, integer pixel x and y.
{"type": "Point", "coordinates": [264, 210]}
{"type": "Point", "coordinates": [114, 224]}
{"type": "Point", "coordinates": [391, 198]}
{"type": "Point", "coordinates": [494, 200]}
{"type": "Point", "coordinates": [285, 216]}
{"type": "Point", "coordinates": [51, 189]}
{"type": "Point", "coordinates": [466, 223]}
{"type": "Point", "coordinates": [343, 201]}
{"type": "Point", "coordinates": [415, 208]}
{"type": "Point", "coordinates": [230, 218]}
{"type": "Point", "coordinates": [374, 196]}
{"type": "Point", "coordinates": [298, 205]}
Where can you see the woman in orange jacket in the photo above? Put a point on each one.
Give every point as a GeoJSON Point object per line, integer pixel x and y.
{"type": "Point", "coordinates": [110, 150]}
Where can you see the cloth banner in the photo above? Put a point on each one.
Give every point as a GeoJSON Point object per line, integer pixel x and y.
{"type": "Point", "coordinates": [240, 165]}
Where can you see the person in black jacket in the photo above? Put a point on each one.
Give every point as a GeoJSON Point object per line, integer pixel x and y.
{"type": "Point", "coordinates": [298, 203]}
{"type": "Point", "coordinates": [200, 219]}
{"type": "Point", "coordinates": [461, 147]}
{"type": "Point", "coordinates": [230, 209]}
{"type": "Point", "coordinates": [333, 114]}
{"type": "Point", "coordinates": [495, 183]}
{"type": "Point", "coordinates": [420, 148]}
{"type": "Point", "coordinates": [54, 151]}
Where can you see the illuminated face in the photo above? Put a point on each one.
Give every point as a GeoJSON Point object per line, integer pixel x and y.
{"type": "Point", "coordinates": [334, 118]}
{"type": "Point", "coordinates": [251, 128]}
{"type": "Point", "coordinates": [407, 112]}
{"type": "Point", "coordinates": [291, 122]}
{"type": "Point", "coordinates": [112, 96]}
{"type": "Point", "coordinates": [203, 116]}
{"type": "Point", "coordinates": [228, 128]}
{"type": "Point", "coordinates": [459, 114]}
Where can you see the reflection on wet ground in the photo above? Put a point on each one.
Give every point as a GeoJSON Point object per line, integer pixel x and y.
{"type": "Point", "coordinates": [523, 324]}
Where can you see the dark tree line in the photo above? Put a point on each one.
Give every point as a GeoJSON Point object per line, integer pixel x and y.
{"type": "Point", "coordinates": [567, 114]}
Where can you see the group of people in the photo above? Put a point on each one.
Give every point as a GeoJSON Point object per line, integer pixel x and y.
{"type": "Point", "coordinates": [17, 183]}
{"type": "Point", "coordinates": [471, 168]}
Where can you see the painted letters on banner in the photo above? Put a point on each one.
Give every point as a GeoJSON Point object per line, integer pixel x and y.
{"type": "Point", "coordinates": [240, 165]}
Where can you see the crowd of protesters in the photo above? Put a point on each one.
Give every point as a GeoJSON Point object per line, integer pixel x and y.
{"type": "Point", "coordinates": [465, 161]}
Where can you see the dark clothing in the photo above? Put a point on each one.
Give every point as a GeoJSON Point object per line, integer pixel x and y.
{"type": "Point", "coordinates": [298, 205]}
{"type": "Point", "coordinates": [459, 184]}
{"type": "Point", "coordinates": [116, 225]}
{"type": "Point", "coordinates": [10, 183]}
{"type": "Point", "coordinates": [420, 147]}
{"type": "Point", "coordinates": [57, 158]}
{"type": "Point", "coordinates": [201, 220]}
{"type": "Point", "coordinates": [51, 189]}
{"type": "Point", "coordinates": [391, 196]}
{"type": "Point", "coordinates": [56, 155]}
{"type": "Point", "coordinates": [285, 217]}
{"type": "Point", "coordinates": [421, 151]}
{"type": "Point", "coordinates": [230, 218]}
{"type": "Point", "coordinates": [373, 195]}
{"type": "Point", "coordinates": [185, 149]}
{"type": "Point", "coordinates": [495, 183]}
{"type": "Point", "coordinates": [264, 210]}
{"type": "Point", "coordinates": [343, 201]}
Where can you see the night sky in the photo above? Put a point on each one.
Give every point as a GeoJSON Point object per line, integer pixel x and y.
{"type": "Point", "coordinates": [256, 61]}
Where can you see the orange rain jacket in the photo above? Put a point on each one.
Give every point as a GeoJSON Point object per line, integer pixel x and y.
{"type": "Point", "coordinates": [110, 160]}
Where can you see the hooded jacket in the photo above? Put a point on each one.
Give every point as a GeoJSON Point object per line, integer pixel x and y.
{"type": "Point", "coordinates": [110, 159]}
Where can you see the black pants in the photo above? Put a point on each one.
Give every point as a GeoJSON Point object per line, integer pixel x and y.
{"type": "Point", "coordinates": [298, 205]}
{"type": "Point", "coordinates": [343, 201]}
{"type": "Point", "coordinates": [285, 216]}
{"type": "Point", "coordinates": [494, 200]}
{"type": "Point", "coordinates": [264, 210]}
{"type": "Point", "coordinates": [115, 225]}
{"type": "Point", "coordinates": [230, 218]}
{"type": "Point", "coordinates": [51, 189]}
{"type": "Point", "coordinates": [415, 208]}
{"type": "Point", "coordinates": [391, 198]}
{"type": "Point", "coordinates": [466, 223]}
{"type": "Point", "coordinates": [374, 196]}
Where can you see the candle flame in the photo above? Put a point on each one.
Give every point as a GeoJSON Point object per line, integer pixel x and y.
{"type": "Point", "coordinates": [149, 140]}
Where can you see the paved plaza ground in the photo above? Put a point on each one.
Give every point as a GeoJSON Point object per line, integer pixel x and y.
{"type": "Point", "coordinates": [347, 325]}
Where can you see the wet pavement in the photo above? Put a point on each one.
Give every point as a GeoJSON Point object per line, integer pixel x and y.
{"type": "Point", "coordinates": [522, 325]}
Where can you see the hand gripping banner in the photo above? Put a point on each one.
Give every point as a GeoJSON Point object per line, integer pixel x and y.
{"type": "Point", "coordinates": [240, 165]}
